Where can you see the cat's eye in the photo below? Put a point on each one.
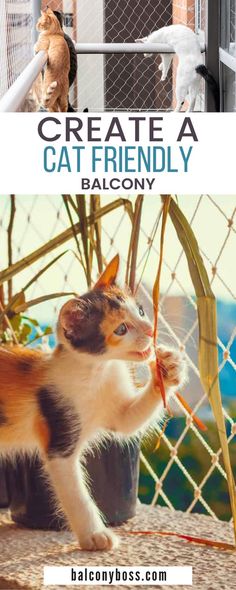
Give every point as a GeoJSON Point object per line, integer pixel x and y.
{"type": "Point", "coordinates": [141, 311]}
{"type": "Point", "coordinates": [121, 330]}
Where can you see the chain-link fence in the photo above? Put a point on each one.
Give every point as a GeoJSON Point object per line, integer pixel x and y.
{"type": "Point", "coordinates": [186, 472]}
{"type": "Point", "coordinates": [105, 82]}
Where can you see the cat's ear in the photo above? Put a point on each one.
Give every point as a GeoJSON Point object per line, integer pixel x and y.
{"type": "Point", "coordinates": [108, 277]}
{"type": "Point", "coordinates": [70, 315]}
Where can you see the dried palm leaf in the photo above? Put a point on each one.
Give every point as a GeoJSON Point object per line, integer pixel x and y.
{"type": "Point", "coordinates": [133, 245]}
{"type": "Point", "coordinates": [81, 205]}
{"type": "Point", "coordinates": [156, 293]}
{"type": "Point", "coordinates": [208, 349]}
{"type": "Point", "coordinates": [95, 235]}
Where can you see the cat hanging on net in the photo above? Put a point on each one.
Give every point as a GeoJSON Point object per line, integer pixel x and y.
{"type": "Point", "coordinates": [190, 68]}
{"type": "Point", "coordinates": [60, 404]}
{"type": "Point", "coordinates": [56, 76]}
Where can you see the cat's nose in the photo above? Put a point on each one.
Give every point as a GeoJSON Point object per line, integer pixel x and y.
{"type": "Point", "coordinates": [148, 330]}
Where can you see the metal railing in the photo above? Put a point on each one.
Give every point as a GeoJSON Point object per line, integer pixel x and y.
{"type": "Point", "coordinates": [16, 94]}
{"type": "Point", "coordinates": [95, 48]}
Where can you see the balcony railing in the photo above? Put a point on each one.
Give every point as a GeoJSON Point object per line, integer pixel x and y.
{"type": "Point", "coordinates": [13, 99]}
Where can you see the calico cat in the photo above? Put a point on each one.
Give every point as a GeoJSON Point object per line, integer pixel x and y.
{"type": "Point", "coordinates": [190, 68]}
{"type": "Point", "coordinates": [60, 404]}
{"type": "Point", "coordinates": [56, 76]}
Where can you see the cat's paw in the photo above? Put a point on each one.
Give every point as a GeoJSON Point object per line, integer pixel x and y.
{"type": "Point", "coordinates": [104, 540]}
{"type": "Point", "coordinates": [173, 368]}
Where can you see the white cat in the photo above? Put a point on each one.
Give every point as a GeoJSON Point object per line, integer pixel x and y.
{"type": "Point", "coordinates": [190, 68]}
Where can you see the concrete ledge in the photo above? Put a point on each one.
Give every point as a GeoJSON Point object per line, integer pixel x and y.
{"type": "Point", "coordinates": [23, 552]}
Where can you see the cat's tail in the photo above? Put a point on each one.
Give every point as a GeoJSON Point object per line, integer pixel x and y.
{"type": "Point", "coordinates": [49, 92]}
{"type": "Point", "coordinates": [210, 80]}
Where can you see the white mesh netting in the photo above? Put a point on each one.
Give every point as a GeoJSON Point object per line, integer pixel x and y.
{"type": "Point", "coordinates": [16, 40]}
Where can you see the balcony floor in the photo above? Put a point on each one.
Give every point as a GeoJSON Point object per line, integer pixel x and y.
{"type": "Point", "coordinates": [23, 553]}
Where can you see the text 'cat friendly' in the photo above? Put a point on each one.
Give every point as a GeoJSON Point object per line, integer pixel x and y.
{"type": "Point", "coordinates": [122, 156]}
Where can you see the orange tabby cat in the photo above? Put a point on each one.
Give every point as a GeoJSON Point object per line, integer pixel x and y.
{"type": "Point", "coordinates": [62, 403]}
{"type": "Point", "coordinates": [33, 99]}
{"type": "Point", "coordinates": [56, 76]}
